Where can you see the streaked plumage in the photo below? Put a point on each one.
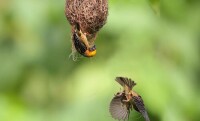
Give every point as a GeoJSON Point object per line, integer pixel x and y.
{"type": "Point", "coordinates": [123, 102]}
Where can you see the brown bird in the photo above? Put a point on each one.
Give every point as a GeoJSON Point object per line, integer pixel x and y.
{"type": "Point", "coordinates": [124, 101]}
{"type": "Point", "coordinates": [86, 18]}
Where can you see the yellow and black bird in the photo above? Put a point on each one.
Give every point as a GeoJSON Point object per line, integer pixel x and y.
{"type": "Point", "coordinates": [124, 101]}
{"type": "Point", "coordinates": [86, 18]}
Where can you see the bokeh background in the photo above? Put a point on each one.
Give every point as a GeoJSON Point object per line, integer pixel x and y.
{"type": "Point", "coordinates": [156, 43]}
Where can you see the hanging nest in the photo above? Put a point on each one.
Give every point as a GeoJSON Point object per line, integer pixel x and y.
{"type": "Point", "coordinates": [86, 18]}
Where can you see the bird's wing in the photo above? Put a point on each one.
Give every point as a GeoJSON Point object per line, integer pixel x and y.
{"type": "Point", "coordinates": [79, 45]}
{"type": "Point", "coordinates": [118, 109]}
{"type": "Point", "coordinates": [124, 81]}
{"type": "Point", "coordinates": [139, 106]}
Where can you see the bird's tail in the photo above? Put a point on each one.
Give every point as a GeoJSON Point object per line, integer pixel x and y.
{"type": "Point", "coordinates": [125, 81]}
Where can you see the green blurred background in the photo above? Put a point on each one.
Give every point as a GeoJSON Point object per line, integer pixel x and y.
{"type": "Point", "coordinates": [155, 43]}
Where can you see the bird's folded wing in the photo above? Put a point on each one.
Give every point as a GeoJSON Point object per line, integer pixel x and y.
{"type": "Point", "coordinates": [140, 107]}
{"type": "Point", "coordinates": [79, 45]}
{"type": "Point", "coordinates": [125, 81]}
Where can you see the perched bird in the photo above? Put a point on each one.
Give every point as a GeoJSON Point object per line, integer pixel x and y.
{"type": "Point", "coordinates": [124, 101]}
{"type": "Point", "coordinates": [86, 18]}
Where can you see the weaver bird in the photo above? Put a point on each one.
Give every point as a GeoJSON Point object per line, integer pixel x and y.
{"type": "Point", "coordinates": [124, 101]}
{"type": "Point", "coordinates": [86, 18]}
